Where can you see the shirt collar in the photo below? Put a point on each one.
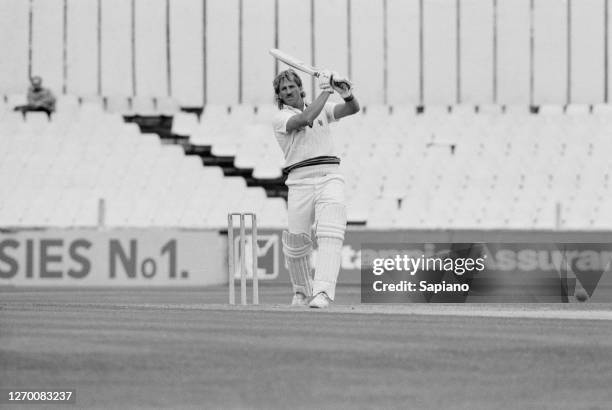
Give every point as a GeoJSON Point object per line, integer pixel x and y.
{"type": "Point", "coordinates": [291, 108]}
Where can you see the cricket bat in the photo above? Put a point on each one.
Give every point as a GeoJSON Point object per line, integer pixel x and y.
{"type": "Point", "coordinates": [299, 64]}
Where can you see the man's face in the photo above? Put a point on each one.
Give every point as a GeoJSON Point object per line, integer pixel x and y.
{"type": "Point", "coordinates": [290, 94]}
{"type": "Point", "coordinates": [36, 82]}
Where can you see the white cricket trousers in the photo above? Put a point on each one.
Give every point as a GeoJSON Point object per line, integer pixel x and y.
{"type": "Point", "coordinates": [308, 197]}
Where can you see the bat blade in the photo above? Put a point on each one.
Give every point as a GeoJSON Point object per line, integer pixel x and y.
{"type": "Point", "coordinates": [302, 66]}
{"type": "Point", "coordinates": [294, 62]}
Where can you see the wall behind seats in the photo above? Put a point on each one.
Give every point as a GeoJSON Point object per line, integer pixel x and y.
{"type": "Point", "coordinates": [151, 62]}
{"type": "Point", "coordinates": [47, 42]}
{"type": "Point", "coordinates": [82, 52]}
{"type": "Point", "coordinates": [396, 51]}
{"type": "Point", "coordinates": [513, 64]}
{"type": "Point", "coordinates": [403, 63]}
{"type": "Point", "coordinates": [14, 46]}
{"type": "Point", "coordinates": [187, 51]}
{"type": "Point", "coordinates": [116, 48]}
{"type": "Point", "coordinates": [588, 46]}
{"type": "Point", "coordinates": [258, 34]}
{"type": "Point", "coordinates": [477, 43]}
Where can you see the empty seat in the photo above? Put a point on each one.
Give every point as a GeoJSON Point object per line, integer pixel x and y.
{"type": "Point", "coordinates": [463, 110]}
{"type": "Point", "coordinates": [267, 171]}
{"type": "Point", "coordinates": [489, 109]}
{"type": "Point", "coordinates": [143, 105]}
{"type": "Point", "coordinates": [220, 111]}
{"type": "Point", "coordinates": [551, 110]}
{"type": "Point", "coordinates": [118, 104]}
{"type": "Point", "coordinates": [403, 111]}
{"type": "Point", "coordinates": [602, 109]}
{"type": "Point", "coordinates": [578, 109]}
{"type": "Point", "coordinates": [436, 110]}
{"type": "Point", "coordinates": [92, 98]}
{"type": "Point", "coordinates": [516, 110]}
{"type": "Point", "coordinates": [167, 106]}
{"type": "Point", "coordinates": [376, 112]}
{"type": "Point", "coordinates": [67, 104]}
{"type": "Point", "coordinates": [91, 111]}
{"type": "Point", "coordinates": [244, 113]}
{"type": "Point", "coordinates": [184, 123]}
{"type": "Point", "coordinates": [225, 148]}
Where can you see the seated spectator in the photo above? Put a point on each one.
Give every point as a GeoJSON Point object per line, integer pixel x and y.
{"type": "Point", "coordinates": [39, 98]}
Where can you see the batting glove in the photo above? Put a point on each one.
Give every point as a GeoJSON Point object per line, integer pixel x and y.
{"type": "Point", "coordinates": [325, 77]}
{"type": "Point", "coordinates": [341, 85]}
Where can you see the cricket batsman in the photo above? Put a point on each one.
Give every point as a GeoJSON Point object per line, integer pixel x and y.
{"type": "Point", "coordinates": [316, 187]}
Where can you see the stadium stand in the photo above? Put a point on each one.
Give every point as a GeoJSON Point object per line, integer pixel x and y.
{"type": "Point", "coordinates": [486, 167]}
{"type": "Point", "coordinates": [458, 169]}
{"type": "Point", "coordinates": [86, 161]}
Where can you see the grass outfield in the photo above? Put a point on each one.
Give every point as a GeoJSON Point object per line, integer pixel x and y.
{"type": "Point", "coordinates": [185, 349]}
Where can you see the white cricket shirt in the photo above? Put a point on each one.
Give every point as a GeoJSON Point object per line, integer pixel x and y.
{"type": "Point", "coordinates": [307, 142]}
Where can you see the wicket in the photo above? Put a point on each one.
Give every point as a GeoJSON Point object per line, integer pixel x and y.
{"type": "Point", "coordinates": [242, 252]}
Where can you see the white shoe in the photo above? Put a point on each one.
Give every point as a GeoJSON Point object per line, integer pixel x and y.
{"type": "Point", "coordinates": [299, 299]}
{"type": "Point", "coordinates": [320, 301]}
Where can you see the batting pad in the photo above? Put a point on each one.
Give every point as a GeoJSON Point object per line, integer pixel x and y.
{"type": "Point", "coordinates": [331, 225]}
{"type": "Point", "coordinates": [297, 249]}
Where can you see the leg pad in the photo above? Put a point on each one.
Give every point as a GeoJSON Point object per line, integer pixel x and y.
{"type": "Point", "coordinates": [331, 225]}
{"type": "Point", "coordinates": [297, 249]}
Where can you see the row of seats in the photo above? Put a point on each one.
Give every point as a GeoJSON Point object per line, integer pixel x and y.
{"type": "Point", "coordinates": [486, 169]}
{"type": "Point", "coordinates": [244, 132]}
{"type": "Point", "coordinates": [59, 173]}
{"type": "Point", "coordinates": [491, 167]}
{"type": "Point", "coordinates": [124, 105]}
{"type": "Point", "coordinates": [164, 105]}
